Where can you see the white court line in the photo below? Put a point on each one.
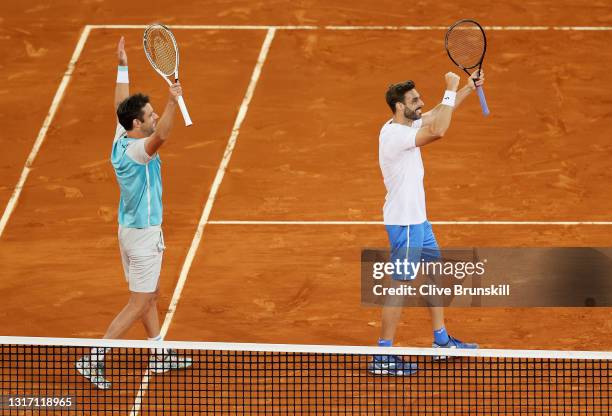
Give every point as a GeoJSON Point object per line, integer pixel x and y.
{"type": "Point", "coordinates": [229, 149]}
{"type": "Point", "coordinates": [219, 177]}
{"type": "Point", "coordinates": [509, 28]}
{"type": "Point", "coordinates": [211, 27]}
{"type": "Point", "coordinates": [195, 243]}
{"type": "Point", "coordinates": [289, 222]}
{"type": "Point", "coordinates": [334, 27]}
{"type": "Point", "coordinates": [144, 386]}
{"type": "Point", "coordinates": [42, 133]}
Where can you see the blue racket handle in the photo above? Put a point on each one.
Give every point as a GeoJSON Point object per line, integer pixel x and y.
{"type": "Point", "coordinates": [483, 101]}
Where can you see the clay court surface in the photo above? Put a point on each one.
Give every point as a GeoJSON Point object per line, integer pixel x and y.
{"type": "Point", "coordinates": [306, 151]}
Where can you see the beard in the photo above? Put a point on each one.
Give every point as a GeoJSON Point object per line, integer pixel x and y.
{"type": "Point", "coordinates": [149, 130]}
{"type": "Point", "coordinates": [412, 114]}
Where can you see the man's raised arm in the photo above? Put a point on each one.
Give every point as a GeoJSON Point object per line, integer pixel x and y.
{"type": "Point", "coordinates": [122, 88]}
{"type": "Point", "coordinates": [474, 80]}
{"type": "Point", "coordinates": [164, 125]}
{"type": "Point", "coordinates": [439, 119]}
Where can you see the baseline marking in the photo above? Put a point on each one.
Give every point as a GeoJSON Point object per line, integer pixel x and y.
{"type": "Point", "coordinates": [42, 133]}
{"type": "Point", "coordinates": [224, 222]}
{"type": "Point", "coordinates": [339, 27]}
{"type": "Point", "coordinates": [577, 28]}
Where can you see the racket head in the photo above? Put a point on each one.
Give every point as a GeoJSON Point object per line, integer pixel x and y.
{"type": "Point", "coordinates": [466, 44]}
{"type": "Point", "coordinates": [161, 49]}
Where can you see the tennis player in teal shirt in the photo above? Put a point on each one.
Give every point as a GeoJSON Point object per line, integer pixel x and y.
{"type": "Point", "coordinates": [139, 135]}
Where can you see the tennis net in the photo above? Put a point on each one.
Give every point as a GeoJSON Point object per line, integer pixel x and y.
{"type": "Point", "coordinates": [45, 376]}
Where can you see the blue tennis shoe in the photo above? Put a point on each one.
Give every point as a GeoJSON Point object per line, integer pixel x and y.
{"type": "Point", "coordinates": [453, 343]}
{"type": "Point", "coordinates": [391, 365]}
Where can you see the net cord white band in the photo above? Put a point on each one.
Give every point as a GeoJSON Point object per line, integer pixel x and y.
{"type": "Point", "coordinates": [301, 348]}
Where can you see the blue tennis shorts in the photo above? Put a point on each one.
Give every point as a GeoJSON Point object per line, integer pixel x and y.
{"type": "Point", "coordinates": [414, 243]}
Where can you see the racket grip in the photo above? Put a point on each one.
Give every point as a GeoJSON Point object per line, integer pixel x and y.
{"type": "Point", "coordinates": [483, 101]}
{"type": "Point", "coordinates": [184, 111]}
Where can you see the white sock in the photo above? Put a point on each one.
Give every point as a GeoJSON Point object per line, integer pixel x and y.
{"type": "Point", "coordinates": [158, 351]}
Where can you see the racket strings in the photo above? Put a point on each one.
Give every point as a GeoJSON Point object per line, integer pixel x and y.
{"type": "Point", "coordinates": [159, 46]}
{"type": "Point", "coordinates": [466, 45]}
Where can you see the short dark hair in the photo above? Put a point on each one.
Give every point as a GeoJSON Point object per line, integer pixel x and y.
{"type": "Point", "coordinates": [396, 92]}
{"type": "Point", "coordinates": [131, 108]}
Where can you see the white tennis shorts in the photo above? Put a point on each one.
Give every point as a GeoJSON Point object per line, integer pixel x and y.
{"type": "Point", "coordinates": [142, 250]}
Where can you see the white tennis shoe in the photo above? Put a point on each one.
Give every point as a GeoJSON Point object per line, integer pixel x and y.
{"type": "Point", "coordinates": [93, 371]}
{"type": "Point", "coordinates": [168, 361]}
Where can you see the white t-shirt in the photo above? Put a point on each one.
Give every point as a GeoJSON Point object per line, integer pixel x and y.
{"type": "Point", "coordinates": [402, 170]}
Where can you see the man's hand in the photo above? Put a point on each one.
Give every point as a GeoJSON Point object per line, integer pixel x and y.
{"type": "Point", "coordinates": [452, 81]}
{"type": "Point", "coordinates": [476, 79]}
{"type": "Point", "coordinates": [175, 91]}
{"type": "Point", "coordinates": [122, 87]}
{"type": "Point", "coordinates": [121, 55]}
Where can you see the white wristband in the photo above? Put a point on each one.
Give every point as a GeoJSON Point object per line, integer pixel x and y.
{"type": "Point", "coordinates": [122, 75]}
{"type": "Point", "coordinates": [449, 98]}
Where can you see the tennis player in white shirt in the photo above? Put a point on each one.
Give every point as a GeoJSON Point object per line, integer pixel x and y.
{"type": "Point", "coordinates": [405, 216]}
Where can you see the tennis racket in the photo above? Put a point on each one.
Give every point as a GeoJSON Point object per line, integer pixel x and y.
{"type": "Point", "coordinates": [163, 55]}
{"type": "Point", "coordinates": [466, 45]}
